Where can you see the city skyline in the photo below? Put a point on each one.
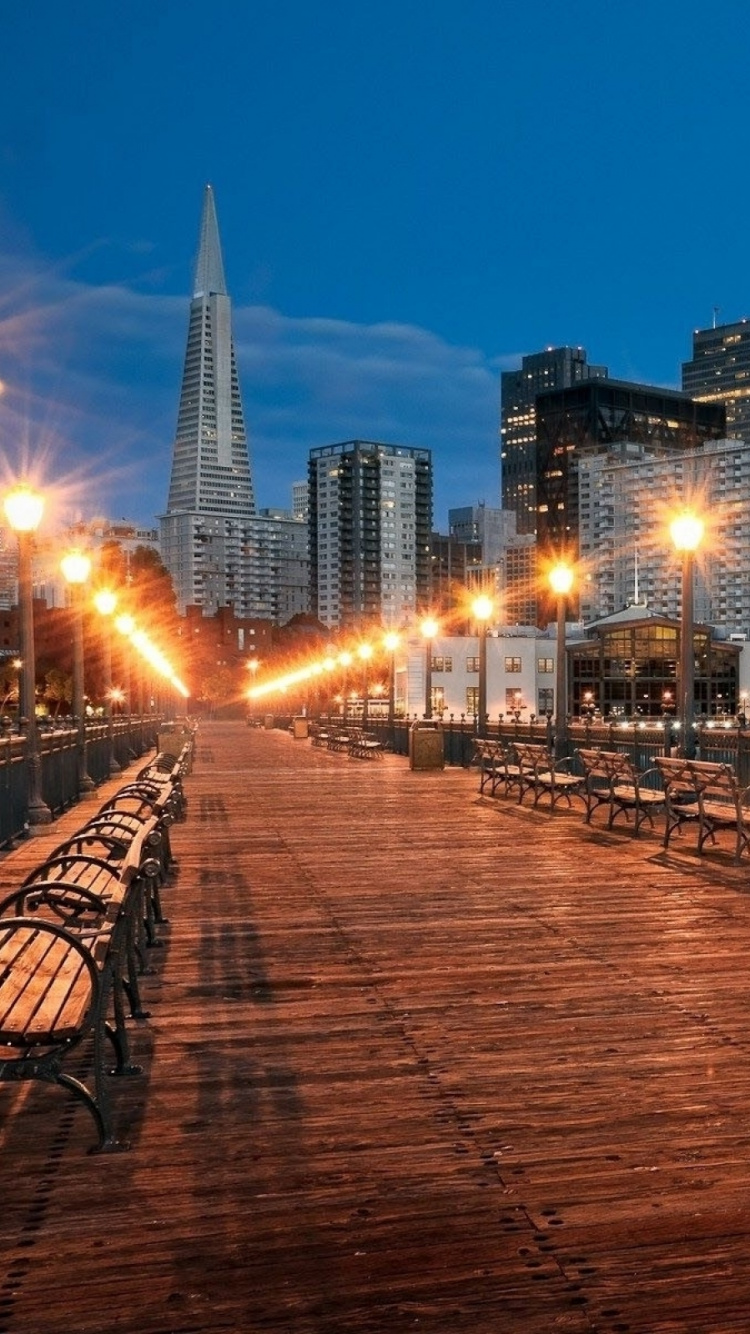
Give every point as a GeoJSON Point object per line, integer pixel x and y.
{"type": "Point", "coordinates": [408, 203]}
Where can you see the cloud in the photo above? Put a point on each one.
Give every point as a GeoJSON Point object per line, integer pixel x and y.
{"type": "Point", "coordinates": [92, 377]}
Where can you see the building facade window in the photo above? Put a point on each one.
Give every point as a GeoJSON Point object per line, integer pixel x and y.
{"type": "Point", "coordinates": [513, 664]}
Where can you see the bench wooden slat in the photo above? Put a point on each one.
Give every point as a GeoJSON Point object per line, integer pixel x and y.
{"type": "Point", "coordinates": [45, 986]}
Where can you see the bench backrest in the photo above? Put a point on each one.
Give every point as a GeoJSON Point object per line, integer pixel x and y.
{"type": "Point", "coordinates": [532, 755]}
{"type": "Point", "coordinates": [699, 778]}
{"type": "Point", "coordinates": [610, 765]}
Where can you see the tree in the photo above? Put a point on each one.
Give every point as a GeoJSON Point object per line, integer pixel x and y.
{"type": "Point", "coordinates": [58, 689]}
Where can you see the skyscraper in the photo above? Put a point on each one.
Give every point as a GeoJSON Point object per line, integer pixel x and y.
{"type": "Point", "coordinates": [211, 495]}
{"type": "Point", "coordinates": [370, 522]}
{"type": "Point", "coordinates": [555, 368]}
{"type": "Point", "coordinates": [720, 373]}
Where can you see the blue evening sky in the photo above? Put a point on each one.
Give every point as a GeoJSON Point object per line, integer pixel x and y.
{"type": "Point", "coordinates": [410, 196]}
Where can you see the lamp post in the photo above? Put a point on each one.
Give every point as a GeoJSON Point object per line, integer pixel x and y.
{"type": "Point", "coordinates": [365, 653]}
{"type": "Point", "coordinates": [482, 608]}
{"type": "Point", "coordinates": [561, 582]}
{"type": "Point", "coordinates": [687, 533]}
{"type": "Point", "coordinates": [391, 643]}
{"type": "Point", "coordinates": [344, 661]}
{"type": "Point", "coordinates": [429, 628]}
{"type": "Point", "coordinates": [23, 509]}
{"type": "Point", "coordinates": [105, 602]}
{"type": "Point", "coordinates": [76, 568]}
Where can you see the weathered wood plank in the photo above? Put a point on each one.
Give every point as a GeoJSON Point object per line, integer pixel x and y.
{"type": "Point", "coordinates": [415, 1061]}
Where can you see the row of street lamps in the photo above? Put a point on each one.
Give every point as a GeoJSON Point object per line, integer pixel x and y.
{"type": "Point", "coordinates": [23, 507]}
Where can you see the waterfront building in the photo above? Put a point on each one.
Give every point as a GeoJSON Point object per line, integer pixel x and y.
{"type": "Point", "coordinates": [370, 524]}
{"type": "Point", "coordinates": [719, 372]}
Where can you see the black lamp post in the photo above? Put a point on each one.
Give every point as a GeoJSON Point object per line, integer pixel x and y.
{"type": "Point", "coordinates": [687, 533]}
{"type": "Point", "coordinates": [23, 509]}
{"type": "Point", "coordinates": [482, 608]}
{"type": "Point", "coordinates": [561, 582]}
{"type": "Point", "coordinates": [76, 567]}
{"type": "Point", "coordinates": [430, 628]}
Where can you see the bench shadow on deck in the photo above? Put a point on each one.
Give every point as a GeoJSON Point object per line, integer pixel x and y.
{"type": "Point", "coordinates": [416, 1060]}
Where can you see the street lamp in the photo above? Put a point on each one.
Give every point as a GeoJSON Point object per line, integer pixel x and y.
{"type": "Point", "coordinates": [105, 602]}
{"type": "Point", "coordinates": [76, 568]}
{"type": "Point", "coordinates": [687, 533]}
{"type": "Point", "coordinates": [23, 510]}
{"type": "Point", "coordinates": [429, 629]}
{"type": "Point", "coordinates": [482, 608]}
{"type": "Point", "coordinates": [390, 643]}
{"type": "Point", "coordinates": [561, 582]}
{"type": "Point", "coordinates": [365, 653]}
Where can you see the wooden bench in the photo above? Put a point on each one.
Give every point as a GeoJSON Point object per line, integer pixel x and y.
{"type": "Point", "coordinates": [708, 796]}
{"type": "Point", "coordinates": [364, 745]}
{"type": "Point", "coordinates": [541, 774]}
{"type": "Point", "coordinates": [66, 965]}
{"type": "Point", "coordinates": [612, 779]}
{"type": "Point", "coordinates": [338, 739]}
{"type": "Point", "coordinates": [497, 765]}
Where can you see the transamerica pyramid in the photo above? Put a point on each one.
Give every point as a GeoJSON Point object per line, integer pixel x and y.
{"type": "Point", "coordinates": [211, 490]}
{"type": "Point", "coordinates": [211, 463]}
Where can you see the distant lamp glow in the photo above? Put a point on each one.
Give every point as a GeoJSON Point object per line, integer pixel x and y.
{"type": "Point", "coordinates": [482, 607]}
{"type": "Point", "coordinates": [561, 579]}
{"type": "Point", "coordinates": [125, 624]}
{"type": "Point", "coordinates": [687, 531]}
{"type": "Point", "coordinates": [76, 567]}
{"type": "Point", "coordinates": [24, 508]}
{"type": "Point", "coordinates": [105, 601]}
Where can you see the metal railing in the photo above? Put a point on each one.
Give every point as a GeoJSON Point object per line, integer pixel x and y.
{"type": "Point", "coordinates": [131, 738]}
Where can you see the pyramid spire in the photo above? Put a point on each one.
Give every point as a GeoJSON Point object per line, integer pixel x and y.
{"type": "Point", "coordinates": [209, 266]}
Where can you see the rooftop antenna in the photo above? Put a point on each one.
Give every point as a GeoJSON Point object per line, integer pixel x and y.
{"type": "Point", "coordinates": [716, 312]}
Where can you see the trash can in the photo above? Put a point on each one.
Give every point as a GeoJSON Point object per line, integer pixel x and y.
{"type": "Point", "coordinates": [300, 728]}
{"type": "Point", "coordinates": [268, 722]}
{"type": "Point", "coordinates": [426, 749]}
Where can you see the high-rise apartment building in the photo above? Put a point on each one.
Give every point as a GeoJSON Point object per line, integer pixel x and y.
{"type": "Point", "coordinates": [211, 495]}
{"type": "Point", "coordinates": [370, 523]}
{"type": "Point", "coordinates": [625, 547]}
{"type": "Point", "coordinates": [720, 373]}
{"type": "Point", "coordinates": [555, 368]}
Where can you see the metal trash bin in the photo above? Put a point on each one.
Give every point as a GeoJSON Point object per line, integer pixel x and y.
{"type": "Point", "coordinates": [268, 722]}
{"type": "Point", "coordinates": [426, 745]}
{"type": "Point", "coordinates": [300, 728]}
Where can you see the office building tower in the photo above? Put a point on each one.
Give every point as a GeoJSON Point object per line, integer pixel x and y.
{"type": "Point", "coordinates": [606, 417]}
{"type": "Point", "coordinates": [481, 523]}
{"type": "Point", "coordinates": [455, 566]}
{"type": "Point", "coordinates": [211, 493]}
{"type": "Point", "coordinates": [370, 524]}
{"type": "Point", "coordinates": [555, 368]}
{"type": "Point", "coordinates": [720, 373]}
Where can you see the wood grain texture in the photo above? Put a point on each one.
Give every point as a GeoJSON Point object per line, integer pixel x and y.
{"type": "Point", "coordinates": [416, 1061]}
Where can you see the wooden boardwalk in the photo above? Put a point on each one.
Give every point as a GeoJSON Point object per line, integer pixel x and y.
{"type": "Point", "coordinates": [416, 1062]}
